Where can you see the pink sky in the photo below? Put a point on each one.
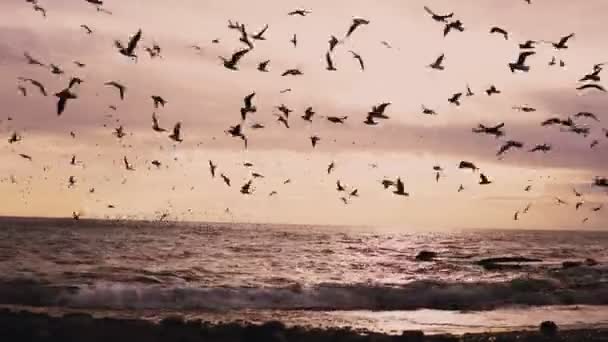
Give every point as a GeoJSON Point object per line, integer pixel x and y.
{"type": "Point", "coordinates": [206, 97]}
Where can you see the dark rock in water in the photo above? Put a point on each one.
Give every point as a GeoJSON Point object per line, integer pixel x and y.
{"type": "Point", "coordinates": [426, 256]}
{"type": "Point", "coordinates": [571, 264]}
{"type": "Point", "coordinates": [411, 336]}
{"type": "Point", "coordinates": [500, 260]}
{"type": "Point", "coordinates": [548, 328]}
{"type": "Point", "coordinates": [591, 262]}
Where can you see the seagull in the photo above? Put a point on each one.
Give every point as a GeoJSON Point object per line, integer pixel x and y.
{"type": "Point", "coordinates": [300, 12]}
{"type": "Point", "coordinates": [594, 143]}
{"type": "Point", "coordinates": [330, 64]}
{"type": "Point", "coordinates": [516, 216]}
{"type": "Point", "coordinates": [562, 43]}
{"type": "Point", "coordinates": [592, 86]}
{"type": "Point", "coordinates": [400, 188]}
{"type": "Point", "coordinates": [176, 135]}
{"type": "Point", "coordinates": [337, 119]}
{"type": "Point", "coordinates": [356, 23]}
{"type": "Point", "coordinates": [285, 110]}
{"type": "Point", "coordinates": [455, 99]}
{"type": "Point", "coordinates": [354, 193]}
{"type": "Point", "coordinates": [155, 125]}
{"type": "Point", "coordinates": [272, 193]}
{"type": "Point", "coordinates": [339, 186]}
{"type": "Point", "coordinates": [282, 119]}
{"type": "Point", "coordinates": [260, 35]}
{"type": "Point", "coordinates": [245, 37]}
{"type": "Point", "coordinates": [158, 101]}
{"type": "Point", "coordinates": [369, 120]}
{"type": "Point", "coordinates": [527, 208]}
{"type": "Point", "coordinates": [129, 51]}
{"type": "Point", "coordinates": [32, 61]}
{"type": "Point", "coordinates": [385, 43]}
{"type": "Point", "coordinates": [121, 88]}
{"type": "Point", "coordinates": [461, 188]}
{"type": "Point", "coordinates": [467, 165]}
{"type": "Point", "coordinates": [378, 110]}
{"type": "Point", "coordinates": [520, 64]}
{"type": "Point", "coordinates": [25, 156]}
{"type": "Point", "coordinates": [87, 29]}
{"type": "Point", "coordinates": [119, 132]}
{"type": "Point", "coordinates": [454, 25]}
{"type": "Point", "coordinates": [542, 148]}
{"type": "Point", "coordinates": [256, 175]}
{"type": "Point", "coordinates": [308, 114]}
{"type": "Point", "coordinates": [128, 166]}
{"type": "Point", "coordinates": [15, 137]}
{"type": "Point", "coordinates": [36, 84]}
{"type": "Point", "coordinates": [263, 66]}
{"type": "Point", "coordinates": [386, 183]}
{"type": "Point", "coordinates": [314, 140]}
{"type": "Point", "coordinates": [64, 96]}
{"type": "Point", "coordinates": [508, 145]}
{"type": "Point", "coordinates": [469, 91]}
{"type": "Point", "coordinates": [331, 167]}
{"type": "Point", "coordinates": [492, 90]}
{"type": "Point", "coordinates": [437, 64]}
{"type": "Point", "coordinates": [596, 209]}
{"type": "Point", "coordinates": [559, 201]}
{"type": "Point", "coordinates": [553, 61]}
{"type": "Point", "coordinates": [56, 70]}
{"type": "Point", "coordinates": [37, 8]}
{"type": "Point", "coordinates": [249, 107]}
{"type": "Point", "coordinates": [586, 115]}
{"type": "Point", "coordinates": [437, 17]}
{"type": "Point", "coordinates": [594, 76]}
{"type": "Point", "coordinates": [333, 41]}
{"type": "Point", "coordinates": [428, 111]}
{"type": "Point", "coordinates": [294, 40]}
{"type": "Point", "coordinates": [79, 64]}
{"type": "Point", "coordinates": [71, 181]}
{"type": "Point", "coordinates": [234, 60]}
{"type": "Point", "coordinates": [499, 30]}
{"type": "Point", "coordinates": [292, 72]}
{"type": "Point", "coordinates": [257, 125]}
{"type": "Point", "coordinates": [528, 188]}
{"type": "Point", "coordinates": [529, 44]}
{"type": "Point", "coordinates": [212, 168]}
{"type": "Point", "coordinates": [359, 58]}
{"type": "Point", "coordinates": [226, 179]}
{"type": "Point", "coordinates": [234, 26]}
{"type": "Point", "coordinates": [493, 130]}
{"type": "Point", "coordinates": [246, 189]}
{"type": "Point", "coordinates": [74, 81]}
{"type": "Point", "coordinates": [484, 180]}
{"type": "Point", "coordinates": [525, 109]}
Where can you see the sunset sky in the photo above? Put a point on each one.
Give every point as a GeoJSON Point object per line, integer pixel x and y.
{"type": "Point", "coordinates": [206, 98]}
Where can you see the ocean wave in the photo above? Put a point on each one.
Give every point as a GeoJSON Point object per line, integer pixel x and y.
{"type": "Point", "coordinates": [416, 295]}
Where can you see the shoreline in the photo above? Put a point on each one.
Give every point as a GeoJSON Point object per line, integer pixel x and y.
{"type": "Point", "coordinates": [24, 325]}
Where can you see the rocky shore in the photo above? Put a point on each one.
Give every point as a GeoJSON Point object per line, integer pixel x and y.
{"type": "Point", "coordinates": [27, 326]}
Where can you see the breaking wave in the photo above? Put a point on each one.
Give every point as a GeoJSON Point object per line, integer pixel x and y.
{"type": "Point", "coordinates": [415, 295]}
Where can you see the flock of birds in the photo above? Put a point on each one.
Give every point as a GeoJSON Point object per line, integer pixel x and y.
{"type": "Point", "coordinates": [132, 48]}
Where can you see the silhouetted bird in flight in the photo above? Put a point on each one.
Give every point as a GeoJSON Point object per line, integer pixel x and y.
{"type": "Point", "coordinates": [292, 72]}
{"type": "Point", "coordinates": [437, 17]}
{"type": "Point", "coordinates": [400, 188]}
{"type": "Point", "coordinates": [121, 88]}
{"type": "Point", "coordinates": [282, 119]}
{"type": "Point", "coordinates": [509, 145]}
{"type": "Point", "coordinates": [501, 31]}
{"type": "Point", "coordinates": [333, 41]}
{"type": "Point", "coordinates": [467, 165]}
{"type": "Point", "coordinates": [492, 130]}
{"type": "Point", "coordinates": [308, 114]}
{"type": "Point", "coordinates": [25, 156]}
{"type": "Point", "coordinates": [525, 109]}
{"type": "Point", "coordinates": [469, 91]}
{"type": "Point", "coordinates": [562, 44]}
{"type": "Point", "coordinates": [234, 60]}
{"type": "Point", "coordinates": [314, 140]}
{"type": "Point", "coordinates": [249, 107]}
{"type": "Point", "coordinates": [260, 35]}
{"type": "Point", "coordinates": [155, 125]}
{"type": "Point", "coordinates": [455, 99]}
{"type": "Point", "coordinates": [42, 10]}
{"type": "Point", "coordinates": [158, 100]}
{"type": "Point", "coordinates": [428, 111]}
{"type": "Point", "coordinates": [176, 135]}
{"type": "Point", "coordinates": [542, 148]}
{"type": "Point", "coordinates": [594, 76]}
{"type": "Point", "coordinates": [437, 64]}
{"type": "Point", "coordinates": [330, 63]}
{"type": "Point", "coordinates": [586, 115]}
{"type": "Point", "coordinates": [492, 90]}
{"type": "Point", "coordinates": [339, 186]}
{"type": "Point", "coordinates": [263, 66]}
{"type": "Point", "coordinates": [529, 44]}
{"type": "Point", "coordinates": [358, 58]}
{"type": "Point", "coordinates": [247, 189]}
{"type": "Point", "coordinates": [483, 180]}
{"type": "Point", "coordinates": [520, 64]}
{"type": "Point", "coordinates": [369, 120]}
{"type": "Point", "coordinates": [79, 64]}
{"type": "Point", "coordinates": [294, 40]}
{"type": "Point", "coordinates": [454, 25]}
{"type": "Point", "coordinates": [592, 86]}
{"type": "Point", "coordinates": [74, 81]}
{"type": "Point", "coordinates": [355, 24]}
{"type": "Point", "coordinates": [128, 166]}
{"type": "Point", "coordinates": [285, 110]}
{"type": "Point", "coordinates": [300, 12]}
{"type": "Point", "coordinates": [129, 50]}
{"type": "Point", "coordinates": [87, 29]}
{"type": "Point", "coordinates": [36, 84]}
{"type": "Point", "coordinates": [64, 96]}
{"type": "Point", "coordinates": [119, 132]}
{"type": "Point", "coordinates": [337, 119]}
{"type": "Point", "coordinates": [234, 26]}
{"type": "Point", "coordinates": [156, 163]}
{"type": "Point", "coordinates": [245, 37]}
{"type": "Point", "coordinates": [226, 179]}
{"type": "Point", "coordinates": [212, 168]}
{"type": "Point", "coordinates": [331, 167]}
{"type": "Point", "coordinates": [15, 137]}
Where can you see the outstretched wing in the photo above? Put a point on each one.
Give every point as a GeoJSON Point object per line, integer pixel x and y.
{"type": "Point", "coordinates": [238, 55]}
{"type": "Point", "coordinates": [522, 56]}
{"type": "Point", "coordinates": [134, 41]}
{"type": "Point", "coordinates": [429, 11]}
{"type": "Point", "coordinates": [565, 39]}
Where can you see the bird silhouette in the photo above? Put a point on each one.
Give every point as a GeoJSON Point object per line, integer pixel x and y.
{"type": "Point", "coordinates": [562, 44]}
{"type": "Point", "coordinates": [263, 66]}
{"type": "Point", "coordinates": [525, 109]}
{"type": "Point", "coordinates": [369, 120]}
{"type": "Point", "coordinates": [560, 201]}
{"type": "Point", "coordinates": [87, 29]}
{"type": "Point", "coordinates": [331, 167]}
{"type": "Point", "coordinates": [248, 106]}
{"type": "Point", "coordinates": [541, 148]}
{"type": "Point", "coordinates": [593, 76]}
{"type": "Point", "coordinates": [36, 84]}
{"type": "Point", "coordinates": [520, 64]}
{"type": "Point", "coordinates": [483, 180]}
{"type": "Point", "coordinates": [231, 63]}
{"type": "Point", "coordinates": [176, 135]}
{"type": "Point", "coordinates": [119, 132]}
{"type": "Point", "coordinates": [32, 61]}
{"type": "Point", "coordinates": [245, 37]}
{"type": "Point", "coordinates": [212, 168]}
{"type": "Point", "coordinates": [455, 99]}
{"type": "Point", "coordinates": [74, 81]}
{"type": "Point", "coordinates": [314, 140]}
{"type": "Point", "coordinates": [428, 111]}
{"type": "Point", "coordinates": [156, 163]}
{"type": "Point", "coordinates": [438, 17]}
{"type": "Point", "coordinates": [509, 145]}
{"type": "Point", "coordinates": [56, 70]}
{"type": "Point", "coordinates": [333, 41]}
{"type": "Point", "coordinates": [492, 130]}
{"type": "Point", "coordinates": [359, 59]}
{"type": "Point", "coordinates": [25, 156]}
{"type": "Point", "coordinates": [528, 44]}
{"type": "Point", "coordinates": [128, 166]}
{"type": "Point", "coordinates": [308, 114]}
{"type": "Point", "coordinates": [38, 8]}
{"type": "Point", "coordinates": [467, 165]}
{"type": "Point", "coordinates": [64, 96]}
{"type": "Point", "coordinates": [454, 25]}
{"type": "Point", "coordinates": [294, 40]}
{"type": "Point", "coordinates": [516, 216]}
{"type": "Point", "coordinates": [158, 101]}
{"type": "Point", "coordinates": [300, 12]}
{"type": "Point", "coordinates": [155, 125]}
{"type": "Point", "coordinates": [121, 88]}
{"type": "Point", "coordinates": [285, 110]}
{"type": "Point", "coordinates": [234, 26]}
{"type": "Point", "coordinates": [15, 137]}
{"type": "Point", "coordinates": [400, 188]}
{"type": "Point", "coordinates": [378, 110]}
{"type": "Point", "coordinates": [292, 72]}
{"type": "Point", "coordinates": [355, 24]}
{"type": "Point", "coordinates": [330, 63]}
{"type": "Point", "coordinates": [492, 90]}
{"type": "Point", "coordinates": [260, 34]}
{"type": "Point", "coordinates": [129, 50]}
{"type": "Point", "coordinates": [592, 86]}
{"type": "Point", "coordinates": [339, 186]}
{"type": "Point", "coordinates": [337, 119]}
{"type": "Point", "coordinates": [501, 31]}
{"type": "Point", "coordinates": [226, 179]}
{"type": "Point", "coordinates": [586, 115]}
{"type": "Point", "coordinates": [79, 64]}
{"type": "Point", "coordinates": [247, 188]}
{"type": "Point", "coordinates": [437, 64]}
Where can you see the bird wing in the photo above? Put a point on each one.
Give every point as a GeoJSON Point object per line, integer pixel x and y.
{"type": "Point", "coordinates": [429, 11]}
{"type": "Point", "coordinates": [483, 177]}
{"type": "Point", "coordinates": [565, 39]}
{"type": "Point", "coordinates": [594, 86]}
{"type": "Point", "coordinates": [39, 86]}
{"type": "Point", "coordinates": [440, 59]}
{"type": "Point", "coordinates": [330, 64]}
{"type": "Point", "coordinates": [259, 34]}
{"type": "Point", "coordinates": [522, 56]}
{"type": "Point", "coordinates": [133, 42]}
{"type": "Point", "coordinates": [238, 55]}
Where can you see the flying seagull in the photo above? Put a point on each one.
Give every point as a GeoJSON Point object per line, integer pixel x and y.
{"type": "Point", "coordinates": [121, 88]}
{"type": "Point", "coordinates": [437, 64]}
{"type": "Point", "coordinates": [158, 100]}
{"type": "Point", "coordinates": [176, 135]}
{"type": "Point", "coordinates": [129, 50]}
{"type": "Point", "coordinates": [234, 60]}
{"type": "Point", "coordinates": [358, 58]}
{"type": "Point", "coordinates": [520, 64]}
{"type": "Point", "coordinates": [64, 96]}
{"type": "Point", "coordinates": [437, 17]}
{"type": "Point", "coordinates": [356, 23]}
{"type": "Point", "coordinates": [501, 31]}
{"type": "Point", "coordinates": [155, 125]}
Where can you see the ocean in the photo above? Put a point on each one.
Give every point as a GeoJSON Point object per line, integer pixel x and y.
{"type": "Point", "coordinates": [321, 276]}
